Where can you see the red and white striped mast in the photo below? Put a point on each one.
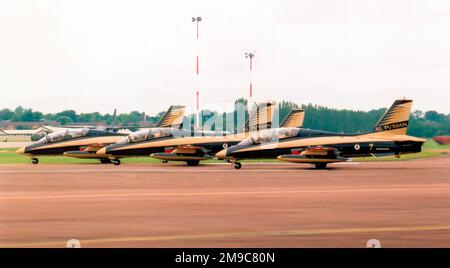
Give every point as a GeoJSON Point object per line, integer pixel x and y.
{"type": "Point", "coordinates": [250, 56]}
{"type": "Point", "coordinates": [197, 20]}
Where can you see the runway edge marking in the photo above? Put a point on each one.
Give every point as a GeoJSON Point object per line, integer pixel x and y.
{"type": "Point", "coordinates": [222, 193]}
{"type": "Point", "coordinates": [237, 235]}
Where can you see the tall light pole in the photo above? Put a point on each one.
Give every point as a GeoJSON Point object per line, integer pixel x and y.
{"type": "Point", "coordinates": [250, 56]}
{"type": "Point", "coordinates": [197, 20]}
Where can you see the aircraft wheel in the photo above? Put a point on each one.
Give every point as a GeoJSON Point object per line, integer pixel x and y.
{"type": "Point", "coordinates": [321, 165]}
{"type": "Point", "coordinates": [237, 165]}
{"type": "Point", "coordinates": [115, 162]}
{"type": "Point", "coordinates": [105, 161]}
{"type": "Point", "coordinates": [164, 161]}
{"type": "Point", "coordinates": [34, 160]}
{"type": "Point", "coordinates": [193, 162]}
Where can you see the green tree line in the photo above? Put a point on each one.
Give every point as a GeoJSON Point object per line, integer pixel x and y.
{"type": "Point", "coordinates": [70, 116]}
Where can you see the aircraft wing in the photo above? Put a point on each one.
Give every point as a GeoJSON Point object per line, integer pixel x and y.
{"type": "Point", "coordinates": [94, 147]}
{"type": "Point", "coordinates": [183, 153]}
{"type": "Point", "coordinates": [313, 155]}
{"type": "Point", "coordinates": [88, 151]}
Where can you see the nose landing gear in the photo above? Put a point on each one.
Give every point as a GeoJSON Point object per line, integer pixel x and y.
{"type": "Point", "coordinates": [237, 165]}
{"type": "Point", "coordinates": [193, 162]}
{"type": "Point", "coordinates": [105, 161]}
{"type": "Point", "coordinates": [115, 161]}
{"type": "Point", "coordinates": [321, 165]}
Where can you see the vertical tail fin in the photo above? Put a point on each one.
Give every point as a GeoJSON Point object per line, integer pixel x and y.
{"type": "Point", "coordinates": [261, 117]}
{"type": "Point", "coordinates": [114, 118]}
{"type": "Point", "coordinates": [396, 118]}
{"type": "Point", "coordinates": [173, 117]}
{"type": "Point", "coordinates": [294, 118]}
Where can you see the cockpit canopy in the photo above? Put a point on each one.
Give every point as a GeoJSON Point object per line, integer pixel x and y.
{"type": "Point", "coordinates": [147, 134]}
{"type": "Point", "coordinates": [269, 135]}
{"type": "Point", "coordinates": [63, 135]}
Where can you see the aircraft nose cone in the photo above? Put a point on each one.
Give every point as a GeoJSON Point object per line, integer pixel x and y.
{"type": "Point", "coordinates": [21, 150]}
{"type": "Point", "coordinates": [102, 151]}
{"type": "Point", "coordinates": [222, 154]}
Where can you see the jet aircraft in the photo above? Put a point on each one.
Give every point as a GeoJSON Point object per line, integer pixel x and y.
{"type": "Point", "coordinates": [85, 142]}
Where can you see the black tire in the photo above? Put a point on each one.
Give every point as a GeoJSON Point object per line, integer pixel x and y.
{"type": "Point", "coordinates": [237, 165]}
{"type": "Point", "coordinates": [164, 161]}
{"type": "Point", "coordinates": [116, 162]}
{"type": "Point", "coordinates": [193, 162]}
{"type": "Point", "coordinates": [105, 161]}
{"type": "Point", "coordinates": [34, 161]}
{"type": "Point", "coordinates": [321, 165]}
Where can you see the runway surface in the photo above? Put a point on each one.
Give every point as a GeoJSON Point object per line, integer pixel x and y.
{"type": "Point", "coordinates": [402, 204]}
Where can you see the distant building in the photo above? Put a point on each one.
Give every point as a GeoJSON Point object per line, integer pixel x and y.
{"type": "Point", "coordinates": [9, 135]}
{"type": "Point", "coordinates": [33, 131]}
{"type": "Point", "coordinates": [146, 124]}
{"type": "Point", "coordinates": [16, 135]}
{"type": "Point", "coordinates": [98, 124]}
{"type": "Point", "coordinates": [8, 125]}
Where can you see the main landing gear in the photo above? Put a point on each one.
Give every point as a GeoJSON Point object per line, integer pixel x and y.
{"type": "Point", "coordinates": [34, 160]}
{"type": "Point", "coordinates": [115, 161]}
{"type": "Point", "coordinates": [105, 161]}
{"type": "Point", "coordinates": [193, 162]}
{"type": "Point", "coordinates": [234, 162]}
{"type": "Point", "coordinates": [321, 165]}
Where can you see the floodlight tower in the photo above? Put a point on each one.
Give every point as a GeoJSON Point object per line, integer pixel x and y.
{"type": "Point", "coordinates": [197, 20]}
{"type": "Point", "coordinates": [250, 56]}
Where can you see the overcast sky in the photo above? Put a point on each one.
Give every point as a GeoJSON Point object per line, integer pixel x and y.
{"type": "Point", "coordinates": [97, 55]}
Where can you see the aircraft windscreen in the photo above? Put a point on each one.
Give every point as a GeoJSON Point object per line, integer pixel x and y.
{"type": "Point", "coordinates": [56, 136]}
{"type": "Point", "coordinates": [284, 133]}
{"type": "Point", "coordinates": [269, 135]}
{"type": "Point", "coordinates": [124, 140]}
{"type": "Point", "coordinates": [76, 133]}
{"type": "Point", "coordinates": [66, 134]}
{"type": "Point", "coordinates": [147, 134]}
{"type": "Point", "coordinates": [138, 136]}
{"type": "Point", "coordinates": [42, 140]}
{"type": "Point", "coordinates": [160, 132]}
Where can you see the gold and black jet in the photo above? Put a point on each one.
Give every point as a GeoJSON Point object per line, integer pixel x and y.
{"type": "Point", "coordinates": [193, 146]}
{"type": "Point", "coordinates": [173, 118]}
{"type": "Point", "coordinates": [85, 142]}
{"type": "Point", "coordinates": [320, 148]}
